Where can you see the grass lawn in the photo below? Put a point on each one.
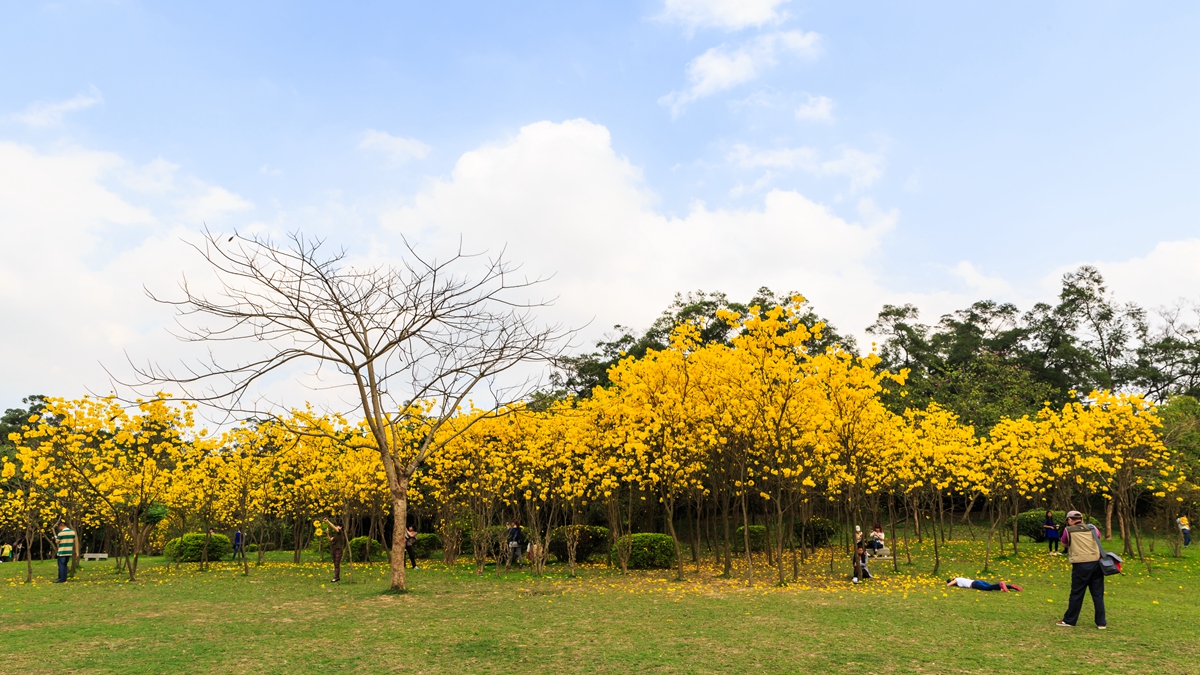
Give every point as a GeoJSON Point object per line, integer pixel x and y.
{"type": "Point", "coordinates": [287, 618]}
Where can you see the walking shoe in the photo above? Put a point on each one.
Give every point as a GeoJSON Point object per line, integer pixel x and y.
{"type": "Point", "coordinates": [1064, 623]}
{"type": "Point", "coordinates": [1102, 627]}
{"type": "Point", "coordinates": [334, 580]}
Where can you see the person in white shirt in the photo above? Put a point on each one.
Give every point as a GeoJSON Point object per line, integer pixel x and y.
{"type": "Point", "coordinates": [963, 582]}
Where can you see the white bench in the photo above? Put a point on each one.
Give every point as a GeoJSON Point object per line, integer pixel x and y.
{"type": "Point", "coordinates": [881, 554]}
{"type": "Point", "coordinates": [94, 556]}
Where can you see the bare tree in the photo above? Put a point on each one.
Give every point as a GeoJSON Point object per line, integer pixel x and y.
{"type": "Point", "coordinates": [409, 342]}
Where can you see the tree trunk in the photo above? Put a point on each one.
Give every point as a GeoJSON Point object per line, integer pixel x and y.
{"type": "Point", "coordinates": [670, 504]}
{"type": "Point", "coordinates": [746, 535]}
{"type": "Point", "coordinates": [892, 527]}
{"type": "Point", "coordinates": [728, 553]}
{"type": "Point", "coordinates": [779, 534]}
{"type": "Point", "coordinates": [937, 558]}
{"type": "Point", "coordinates": [1108, 511]}
{"type": "Point", "coordinates": [400, 520]}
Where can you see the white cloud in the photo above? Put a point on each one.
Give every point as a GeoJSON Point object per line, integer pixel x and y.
{"type": "Point", "coordinates": [1170, 272]}
{"type": "Point", "coordinates": [158, 176]}
{"type": "Point", "coordinates": [43, 114]}
{"type": "Point", "coordinates": [803, 158]}
{"type": "Point", "coordinates": [862, 168]}
{"type": "Point", "coordinates": [818, 109]}
{"type": "Point", "coordinates": [979, 283]}
{"type": "Point", "coordinates": [84, 231]}
{"type": "Point", "coordinates": [557, 195]}
{"type": "Point", "coordinates": [564, 203]}
{"type": "Point", "coordinates": [723, 67]}
{"type": "Point", "coordinates": [725, 14]}
{"type": "Point", "coordinates": [397, 149]}
{"type": "Point", "coordinates": [213, 203]}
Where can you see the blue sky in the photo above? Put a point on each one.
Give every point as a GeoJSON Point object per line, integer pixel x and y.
{"type": "Point", "coordinates": [860, 153]}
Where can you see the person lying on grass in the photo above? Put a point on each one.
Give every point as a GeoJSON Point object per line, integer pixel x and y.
{"type": "Point", "coordinates": [963, 582]}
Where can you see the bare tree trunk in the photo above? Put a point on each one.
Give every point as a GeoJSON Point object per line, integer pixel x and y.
{"type": "Point", "coordinates": [1108, 511]}
{"type": "Point", "coordinates": [725, 540]}
{"type": "Point", "coordinates": [399, 522]}
{"type": "Point", "coordinates": [892, 527]}
{"type": "Point", "coordinates": [670, 505]}
{"type": "Point", "coordinates": [778, 544]}
{"type": "Point", "coordinates": [746, 535]}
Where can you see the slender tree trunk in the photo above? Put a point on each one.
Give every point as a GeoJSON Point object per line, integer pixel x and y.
{"type": "Point", "coordinates": [746, 534]}
{"type": "Point", "coordinates": [725, 540]}
{"type": "Point", "coordinates": [779, 532]}
{"type": "Point", "coordinates": [399, 521]}
{"type": "Point", "coordinates": [1108, 511]}
{"type": "Point", "coordinates": [937, 558]}
{"type": "Point", "coordinates": [892, 527]}
{"type": "Point", "coordinates": [791, 531]}
{"type": "Point", "coordinates": [916, 514]}
{"type": "Point", "coordinates": [670, 506]}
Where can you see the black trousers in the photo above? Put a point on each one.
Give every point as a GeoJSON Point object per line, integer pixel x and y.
{"type": "Point", "coordinates": [1086, 577]}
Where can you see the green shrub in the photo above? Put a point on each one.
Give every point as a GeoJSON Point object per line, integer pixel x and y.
{"type": "Point", "coordinates": [818, 531]}
{"type": "Point", "coordinates": [649, 550]}
{"type": "Point", "coordinates": [591, 540]}
{"type": "Point", "coordinates": [252, 548]}
{"type": "Point", "coordinates": [426, 544]}
{"type": "Point", "coordinates": [1029, 523]}
{"type": "Point", "coordinates": [268, 546]}
{"type": "Point", "coordinates": [365, 549]}
{"type": "Point", "coordinates": [758, 538]}
{"type": "Point", "coordinates": [192, 547]}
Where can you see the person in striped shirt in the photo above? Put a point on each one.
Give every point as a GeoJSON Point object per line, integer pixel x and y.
{"type": "Point", "coordinates": [65, 538]}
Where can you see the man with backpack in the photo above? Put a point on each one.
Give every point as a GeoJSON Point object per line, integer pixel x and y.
{"type": "Point", "coordinates": [1081, 543]}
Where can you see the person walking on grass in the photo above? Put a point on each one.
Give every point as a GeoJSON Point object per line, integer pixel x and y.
{"type": "Point", "coordinates": [410, 541]}
{"type": "Point", "coordinates": [238, 539]}
{"type": "Point", "coordinates": [963, 582]}
{"type": "Point", "coordinates": [64, 537]}
{"type": "Point", "coordinates": [1050, 531]}
{"type": "Point", "coordinates": [337, 544]}
{"type": "Point", "coordinates": [6, 552]}
{"type": "Point", "coordinates": [1082, 545]}
{"type": "Point", "coordinates": [1186, 529]}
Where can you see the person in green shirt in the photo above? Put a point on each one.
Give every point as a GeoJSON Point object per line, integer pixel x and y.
{"type": "Point", "coordinates": [65, 538]}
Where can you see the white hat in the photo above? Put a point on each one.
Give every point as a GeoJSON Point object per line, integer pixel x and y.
{"type": "Point", "coordinates": [857, 528]}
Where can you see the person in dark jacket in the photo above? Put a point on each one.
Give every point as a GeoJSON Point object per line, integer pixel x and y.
{"type": "Point", "coordinates": [1050, 531]}
{"type": "Point", "coordinates": [410, 540]}
{"type": "Point", "coordinates": [337, 544]}
{"type": "Point", "coordinates": [516, 545]}
{"type": "Point", "coordinates": [1082, 545]}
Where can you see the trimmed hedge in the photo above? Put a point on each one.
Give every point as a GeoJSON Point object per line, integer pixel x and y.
{"type": "Point", "coordinates": [592, 539]}
{"type": "Point", "coordinates": [426, 544]}
{"type": "Point", "coordinates": [818, 532]}
{"type": "Point", "coordinates": [758, 538]}
{"type": "Point", "coordinates": [367, 549]}
{"type": "Point", "coordinates": [649, 550]}
{"type": "Point", "coordinates": [1029, 523]}
{"type": "Point", "coordinates": [192, 547]}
